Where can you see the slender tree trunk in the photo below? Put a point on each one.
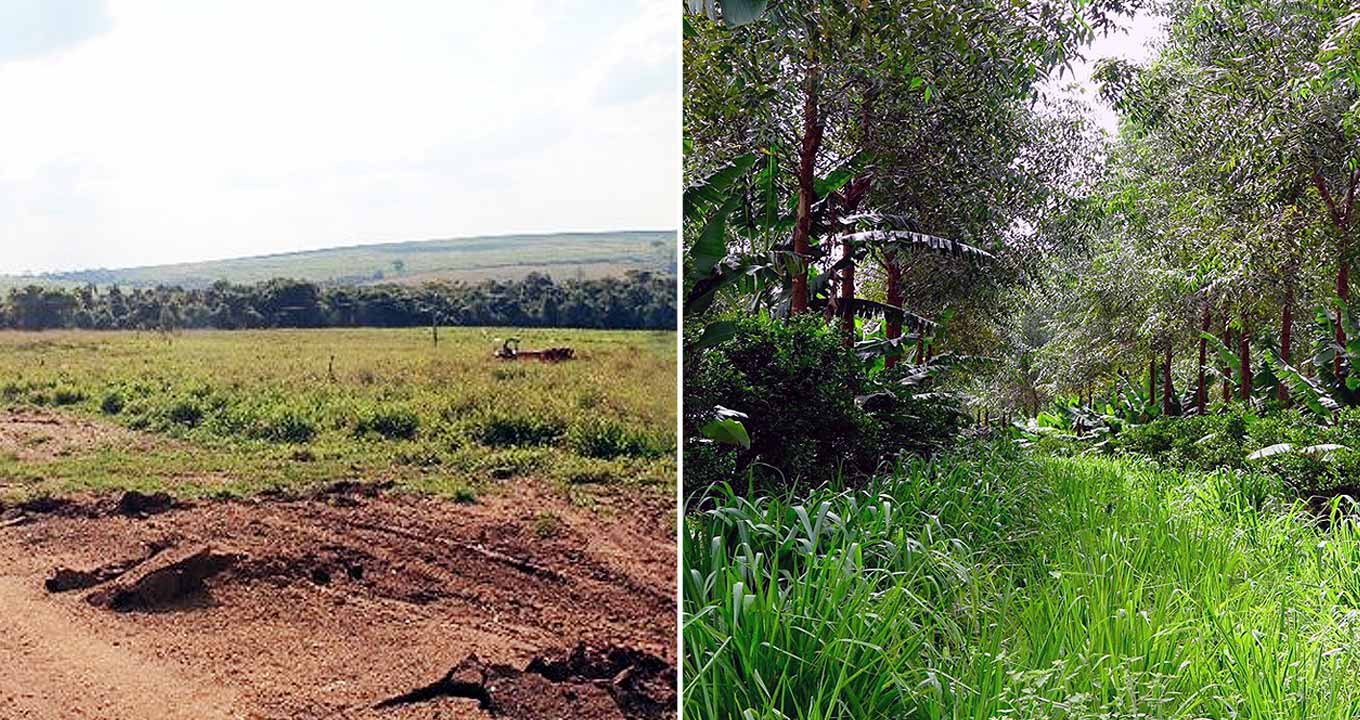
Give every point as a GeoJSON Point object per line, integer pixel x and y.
{"type": "Point", "coordinates": [854, 195]}
{"type": "Point", "coordinates": [1202, 389]}
{"type": "Point", "coordinates": [893, 327]}
{"type": "Point", "coordinates": [1152, 378]}
{"type": "Point", "coordinates": [1340, 214]}
{"type": "Point", "coordinates": [807, 167]}
{"type": "Point", "coordinates": [1168, 407]}
{"type": "Point", "coordinates": [920, 348]}
{"type": "Point", "coordinates": [1286, 338]}
{"type": "Point", "coordinates": [1227, 371]}
{"type": "Point", "coordinates": [1244, 355]}
{"type": "Point", "coordinates": [847, 304]}
{"type": "Point", "coordinates": [1343, 283]}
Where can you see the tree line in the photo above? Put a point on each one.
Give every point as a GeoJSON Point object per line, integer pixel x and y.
{"type": "Point", "coordinates": [908, 188]}
{"type": "Point", "coordinates": [637, 300]}
{"type": "Point", "coordinates": [1219, 266]}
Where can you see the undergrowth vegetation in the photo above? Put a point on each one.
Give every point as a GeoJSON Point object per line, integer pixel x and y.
{"type": "Point", "coordinates": [1308, 456]}
{"type": "Point", "coordinates": [994, 584]}
{"type": "Point", "coordinates": [243, 411]}
{"type": "Point", "coordinates": [796, 379]}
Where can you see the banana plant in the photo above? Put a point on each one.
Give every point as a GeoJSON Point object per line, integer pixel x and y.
{"type": "Point", "coordinates": [1303, 389]}
{"type": "Point", "coordinates": [735, 213]}
{"type": "Point", "coordinates": [1345, 389]}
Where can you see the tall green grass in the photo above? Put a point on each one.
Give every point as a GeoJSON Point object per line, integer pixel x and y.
{"type": "Point", "coordinates": [995, 585]}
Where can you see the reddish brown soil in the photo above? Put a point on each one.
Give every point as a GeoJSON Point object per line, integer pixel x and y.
{"type": "Point", "coordinates": [347, 604]}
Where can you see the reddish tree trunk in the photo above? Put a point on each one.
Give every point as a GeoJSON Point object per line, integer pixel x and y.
{"type": "Point", "coordinates": [1202, 389]}
{"type": "Point", "coordinates": [807, 159]}
{"type": "Point", "coordinates": [854, 195]}
{"type": "Point", "coordinates": [893, 327]}
{"type": "Point", "coordinates": [1168, 407]}
{"type": "Point", "coordinates": [1286, 338]}
{"type": "Point", "coordinates": [1340, 215]}
{"type": "Point", "coordinates": [1244, 355]}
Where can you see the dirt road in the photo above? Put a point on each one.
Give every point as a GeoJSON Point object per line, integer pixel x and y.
{"type": "Point", "coordinates": [346, 604]}
{"type": "Point", "coordinates": [52, 662]}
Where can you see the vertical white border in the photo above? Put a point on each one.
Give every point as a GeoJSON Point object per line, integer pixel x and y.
{"type": "Point", "coordinates": [679, 373]}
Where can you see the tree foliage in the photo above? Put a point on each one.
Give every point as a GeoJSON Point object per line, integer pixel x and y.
{"type": "Point", "coordinates": [638, 300]}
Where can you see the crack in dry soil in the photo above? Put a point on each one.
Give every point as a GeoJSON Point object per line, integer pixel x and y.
{"type": "Point", "coordinates": [639, 685]}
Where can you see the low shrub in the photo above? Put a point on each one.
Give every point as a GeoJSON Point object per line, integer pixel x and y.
{"type": "Point", "coordinates": [509, 429]}
{"type": "Point", "coordinates": [1228, 438]}
{"type": "Point", "coordinates": [67, 395]}
{"type": "Point", "coordinates": [393, 423]}
{"type": "Point", "coordinates": [800, 389]}
{"type": "Point", "coordinates": [607, 438]}
{"type": "Point", "coordinates": [792, 379]}
{"type": "Point", "coordinates": [112, 403]}
{"type": "Point", "coordinates": [284, 424]}
{"type": "Point", "coordinates": [184, 411]}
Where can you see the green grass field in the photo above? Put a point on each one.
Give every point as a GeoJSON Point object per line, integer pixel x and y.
{"type": "Point", "coordinates": [992, 584]}
{"type": "Point", "coordinates": [219, 413]}
{"type": "Point", "coordinates": [563, 256]}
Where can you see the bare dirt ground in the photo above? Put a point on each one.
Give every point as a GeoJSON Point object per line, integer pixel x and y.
{"type": "Point", "coordinates": [37, 434]}
{"type": "Point", "coordinates": [346, 603]}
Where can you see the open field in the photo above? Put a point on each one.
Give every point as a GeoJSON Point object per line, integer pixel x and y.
{"type": "Point", "coordinates": [562, 256]}
{"type": "Point", "coordinates": [336, 524]}
{"type": "Point", "coordinates": [231, 413]}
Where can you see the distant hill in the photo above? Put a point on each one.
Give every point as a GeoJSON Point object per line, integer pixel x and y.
{"type": "Point", "coordinates": [503, 257]}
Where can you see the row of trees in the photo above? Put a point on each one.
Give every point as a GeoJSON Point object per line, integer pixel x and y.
{"type": "Point", "coordinates": [1219, 267]}
{"type": "Point", "coordinates": [892, 166]}
{"type": "Point", "coordinates": [896, 167]}
{"type": "Point", "coordinates": [638, 300]}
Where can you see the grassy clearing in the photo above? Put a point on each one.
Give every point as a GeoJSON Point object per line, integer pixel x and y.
{"type": "Point", "coordinates": [1005, 586]}
{"type": "Point", "coordinates": [239, 412]}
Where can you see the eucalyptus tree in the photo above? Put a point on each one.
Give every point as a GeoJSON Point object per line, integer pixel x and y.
{"type": "Point", "coordinates": [1258, 101]}
{"type": "Point", "coordinates": [808, 83]}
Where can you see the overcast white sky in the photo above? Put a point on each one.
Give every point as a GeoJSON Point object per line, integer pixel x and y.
{"type": "Point", "coordinates": [147, 131]}
{"type": "Point", "coordinates": [1131, 42]}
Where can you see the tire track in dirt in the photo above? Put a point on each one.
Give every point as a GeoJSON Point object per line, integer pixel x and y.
{"type": "Point", "coordinates": [342, 600]}
{"type": "Point", "coordinates": [54, 667]}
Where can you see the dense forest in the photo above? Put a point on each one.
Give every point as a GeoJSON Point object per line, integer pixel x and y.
{"type": "Point", "coordinates": [637, 300]}
{"type": "Point", "coordinates": [992, 413]}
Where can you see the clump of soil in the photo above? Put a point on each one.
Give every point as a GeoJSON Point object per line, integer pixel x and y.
{"type": "Point", "coordinates": [64, 579]}
{"type": "Point", "coordinates": [642, 684]}
{"type": "Point", "coordinates": [587, 682]}
{"type": "Point", "coordinates": [136, 504]}
{"type": "Point", "coordinates": [130, 504]}
{"type": "Point", "coordinates": [166, 581]}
